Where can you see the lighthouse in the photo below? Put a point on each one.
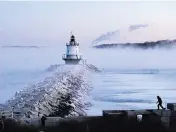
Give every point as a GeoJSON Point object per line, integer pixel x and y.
{"type": "Point", "coordinates": [72, 55]}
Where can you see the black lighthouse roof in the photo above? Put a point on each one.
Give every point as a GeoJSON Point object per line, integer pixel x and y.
{"type": "Point", "coordinates": [72, 39]}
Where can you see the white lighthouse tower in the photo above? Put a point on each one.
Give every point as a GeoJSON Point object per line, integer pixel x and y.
{"type": "Point", "coordinates": [72, 55]}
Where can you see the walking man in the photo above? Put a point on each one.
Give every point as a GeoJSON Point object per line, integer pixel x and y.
{"type": "Point", "coordinates": [159, 102]}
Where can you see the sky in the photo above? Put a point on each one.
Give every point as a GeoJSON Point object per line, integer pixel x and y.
{"type": "Point", "coordinates": [50, 23]}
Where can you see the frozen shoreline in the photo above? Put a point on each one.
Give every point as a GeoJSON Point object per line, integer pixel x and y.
{"type": "Point", "coordinates": [45, 96]}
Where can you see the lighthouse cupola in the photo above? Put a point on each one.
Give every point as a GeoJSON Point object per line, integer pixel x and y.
{"type": "Point", "coordinates": [72, 39]}
{"type": "Point", "coordinates": [72, 55]}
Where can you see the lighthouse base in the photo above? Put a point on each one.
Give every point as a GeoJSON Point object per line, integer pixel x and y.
{"type": "Point", "coordinates": [72, 62]}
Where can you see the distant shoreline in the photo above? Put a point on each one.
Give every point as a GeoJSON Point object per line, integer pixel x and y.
{"type": "Point", "coordinates": [145, 45]}
{"type": "Point", "coordinates": [17, 46]}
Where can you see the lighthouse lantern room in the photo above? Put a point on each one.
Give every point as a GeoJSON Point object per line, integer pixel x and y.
{"type": "Point", "coordinates": [72, 55]}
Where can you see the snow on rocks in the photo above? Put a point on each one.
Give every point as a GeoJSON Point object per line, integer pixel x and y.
{"type": "Point", "coordinates": [63, 93]}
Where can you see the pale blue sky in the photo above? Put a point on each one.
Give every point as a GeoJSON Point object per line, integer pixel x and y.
{"type": "Point", "coordinates": [46, 23]}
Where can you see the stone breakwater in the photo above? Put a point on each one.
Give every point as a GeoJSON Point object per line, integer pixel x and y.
{"type": "Point", "coordinates": [63, 93]}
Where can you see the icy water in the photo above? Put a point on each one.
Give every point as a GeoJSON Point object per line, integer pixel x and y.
{"type": "Point", "coordinates": [113, 88]}
{"type": "Point", "coordinates": [132, 89]}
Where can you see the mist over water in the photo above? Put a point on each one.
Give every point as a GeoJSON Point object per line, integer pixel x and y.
{"type": "Point", "coordinates": [132, 58]}
{"type": "Point", "coordinates": [130, 78]}
{"type": "Point", "coordinates": [41, 58]}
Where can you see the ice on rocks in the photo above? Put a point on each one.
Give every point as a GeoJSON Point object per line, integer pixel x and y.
{"type": "Point", "coordinates": [40, 98]}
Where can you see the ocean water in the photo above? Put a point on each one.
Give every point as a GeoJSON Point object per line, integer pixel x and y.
{"type": "Point", "coordinates": [127, 80]}
{"type": "Point", "coordinates": [131, 89]}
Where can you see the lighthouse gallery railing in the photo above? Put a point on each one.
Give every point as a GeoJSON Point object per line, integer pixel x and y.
{"type": "Point", "coordinates": [65, 57]}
